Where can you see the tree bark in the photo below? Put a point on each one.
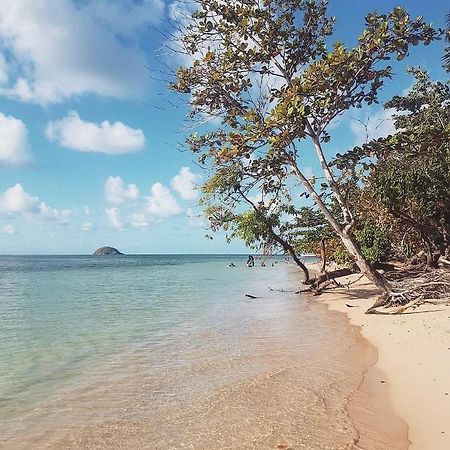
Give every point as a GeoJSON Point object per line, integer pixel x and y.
{"type": "Point", "coordinates": [289, 249]}
{"type": "Point", "coordinates": [331, 276]}
{"type": "Point", "coordinates": [365, 268]}
{"type": "Point", "coordinates": [322, 255]}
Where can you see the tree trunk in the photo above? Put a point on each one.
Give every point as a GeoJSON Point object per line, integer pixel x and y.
{"type": "Point", "coordinates": [349, 242]}
{"type": "Point", "coordinates": [299, 264]}
{"type": "Point", "coordinates": [284, 244]}
{"type": "Point", "coordinates": [322, 255]}
{"type": "Point", "coordinates": [331, 276]}
{"type": "Point", "coordinates": [289, 249]}
{"type": "Point", "coordinates": [365, 268]}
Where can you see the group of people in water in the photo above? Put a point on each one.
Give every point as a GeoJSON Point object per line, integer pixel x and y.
{"type": "Point", "coordinates": [251, 262]}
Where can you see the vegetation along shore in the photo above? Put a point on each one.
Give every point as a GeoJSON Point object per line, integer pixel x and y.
{"type": "Point", "coordinates": [275, 82]}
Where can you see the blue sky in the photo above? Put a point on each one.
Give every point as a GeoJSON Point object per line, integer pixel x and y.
{"type": "Point", "coordinates": [85, 161]}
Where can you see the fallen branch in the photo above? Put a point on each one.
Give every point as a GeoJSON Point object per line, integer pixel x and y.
{"type": "Point", "coordinates": [413, 289]}
{"type": "Point", "coordinates": [282, 290]}
{"type": "Point", "coordinates": [444, 261]}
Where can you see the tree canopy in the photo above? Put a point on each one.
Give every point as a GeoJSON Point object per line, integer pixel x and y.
{"type": "Point", "coordinates": [275, 79]}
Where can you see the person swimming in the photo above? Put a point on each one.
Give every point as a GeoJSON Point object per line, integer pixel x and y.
{"type": "Point", "coordinates": [250, 261]}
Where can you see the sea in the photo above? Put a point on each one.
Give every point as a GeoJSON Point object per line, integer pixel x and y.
{"type": "Point", "coordinates": [172, 352]}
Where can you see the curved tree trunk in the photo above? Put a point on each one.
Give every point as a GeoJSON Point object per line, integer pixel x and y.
{"type": "Point", "coordinates": [289, 249]}
{"type": "Point", "coordinates": [278, 239]}
{"type": "Point", "coordinates": [299, 264]}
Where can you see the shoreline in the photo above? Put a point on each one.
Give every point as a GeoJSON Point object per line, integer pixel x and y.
{"type": "Point", "coordinates": [270, 372]}
{"type": "Point", "coordinates": [413, 363]}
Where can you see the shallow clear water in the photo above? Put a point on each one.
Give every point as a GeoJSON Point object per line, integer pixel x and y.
{"type": "Point", "coordinates": [59, 314]}
{"type": "Point", "coordinates": [168, 352]}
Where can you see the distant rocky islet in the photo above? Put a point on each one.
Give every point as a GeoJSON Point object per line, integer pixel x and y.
{"type": "Point", "coordinates": [107, 251]}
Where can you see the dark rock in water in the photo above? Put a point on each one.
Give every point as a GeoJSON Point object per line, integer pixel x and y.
{"type": "Point", "coordinates": [104, 251]}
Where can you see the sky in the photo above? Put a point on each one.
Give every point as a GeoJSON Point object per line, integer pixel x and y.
{"type": "Point", "coordinates": [91, 149]}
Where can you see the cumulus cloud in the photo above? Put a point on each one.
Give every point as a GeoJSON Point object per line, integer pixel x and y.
{"type": "Point", "coordinates": [7, 229]}
{"type": "Point", "coordinates": [14, 147]}
{"type": "Point", "coordinates": [138, 220]}
{"type": "Point", "coordinates": [86, 226]}
{"type": "Point", "coordinates": [185, 183]}
{"type": "Point", "coordinates": [114, 218]}
{"type": "Point", "coordinates": [15, 201]}
{"type": "Point", "coordinates": [117, 193]}
{"type": "Point", "coordinates": [141, 211]}
{"type": "Point", "coordinates": [62, 48]}
{"type": "Point", "coordinates": [111, 138]}
{"type": "Point", "coordinates": [379, 124]}
{"type": "Point", "coordinates": [161, 203]}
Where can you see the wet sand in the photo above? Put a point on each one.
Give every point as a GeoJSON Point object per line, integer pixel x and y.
{"type": "Point", "coordinates": [276, 372]}
{"type": "Point", "coordinates": [413, 360]}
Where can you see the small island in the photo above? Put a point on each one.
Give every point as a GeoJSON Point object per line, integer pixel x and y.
{"type": "Point", "coordinates": [107, 251]}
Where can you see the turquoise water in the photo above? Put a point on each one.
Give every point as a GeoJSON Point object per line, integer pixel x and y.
{"type": "Point", "coordinates": [61, 314]}
{"type": "Point", "coordinates": [168, 352]}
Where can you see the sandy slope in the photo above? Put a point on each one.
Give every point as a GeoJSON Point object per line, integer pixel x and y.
{"type": "Point", "coordinates": [414, 355]}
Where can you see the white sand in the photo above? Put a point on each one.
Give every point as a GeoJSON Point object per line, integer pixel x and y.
{"type": "Point", "coordinates": [414, 354]}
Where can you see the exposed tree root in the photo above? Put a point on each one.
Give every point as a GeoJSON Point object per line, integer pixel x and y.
{"type": "Point", "coordinates": [412, 288]}
{"type": "Point", "coordinates": [409, 287]}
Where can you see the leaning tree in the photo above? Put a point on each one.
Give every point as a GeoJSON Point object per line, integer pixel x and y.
{"type": "Point", "coordinates": [408, 173]}
{"type": "Point", "coordinates": [249, 200]}
{"type": "Point", "coordinates": [270, 71]}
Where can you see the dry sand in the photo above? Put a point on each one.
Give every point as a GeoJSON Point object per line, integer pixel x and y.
{"type": "Point", "coordinates": [413, 359]}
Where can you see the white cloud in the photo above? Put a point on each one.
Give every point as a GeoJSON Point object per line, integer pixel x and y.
{"type": "Point", "coordinates": [62, 48]}
{"type": "Point", "coordinates": [14, 147]}
{"type": "Point", "coordinates": [7, 229]}
{"type": "Point", "coordinates": [161, 202]}
{"type": "Point", "coordinates": [86, 226]}
{"type": "Point", "coordinates": [185, 183]}
{"type": "Point", "coordinates": [117, 193]}
{"type": "Point", "coordinates": [114, 219]}
{"type": "Point", "coordinates": [138, 220]}
{"type": "Point", "coordinates": [15, 201]}
{"type": "Point", "coordinates": [379, 124]}
{"type": "Point", "coordinates": [3, 70]}
{"type": "Point", "coordinates": [111, 138]}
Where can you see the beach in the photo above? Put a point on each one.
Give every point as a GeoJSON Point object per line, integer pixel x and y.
{"type": "Point", "coordinates": [413, 359]}
{"type": "Point", "coordinates": [170, 352]}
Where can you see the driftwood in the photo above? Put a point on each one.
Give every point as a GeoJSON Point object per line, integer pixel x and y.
{"type": "Point", "coordinates": [412, 287]}
{"type": "Point", "coordinates": [324, 280]}
{"type": "Point", "coordinates": [251, 296]}
{"type": "Point", "coordinates": [280, 290]}
{"type": "Point", "coordinates": [327, 276]}
{"type": "Point", "coordinates": [444, 261]}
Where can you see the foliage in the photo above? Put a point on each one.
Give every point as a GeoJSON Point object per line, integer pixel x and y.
{"type": "Point", "coordinates": [374, 241]}
{"type": "Point", "coordinates": [446, 57]}
{"type": "Point", "coordinates": [253, 228]}
{"type": "Point", "coordinates": [265, 69]}
{"type": "Point", "coordinates": [410, 171]}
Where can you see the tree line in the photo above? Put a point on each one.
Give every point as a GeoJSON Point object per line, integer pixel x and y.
{"type": "Point", "coordinates": [272, 79]}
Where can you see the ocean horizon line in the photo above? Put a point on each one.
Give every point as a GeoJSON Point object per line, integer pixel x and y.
{"type": "Point", "coordinates": [149, 254]}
